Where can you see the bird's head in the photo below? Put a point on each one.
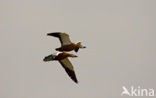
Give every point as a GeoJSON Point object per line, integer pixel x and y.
{"type": "Point", "coordinates": [80, 45]}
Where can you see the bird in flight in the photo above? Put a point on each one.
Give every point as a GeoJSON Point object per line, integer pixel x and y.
{"type": "Point", "coordinates": [62, 57]}
{"type": "Point", "coordinates": [66, 44]}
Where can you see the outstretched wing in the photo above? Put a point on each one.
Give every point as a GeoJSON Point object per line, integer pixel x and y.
{"type": "Point", "coordinates": [63, 37]}
{"type": "Point", "coordinates": [69, 69]}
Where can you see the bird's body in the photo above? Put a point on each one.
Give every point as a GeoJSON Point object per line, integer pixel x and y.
{"type": "Point", "coordinates": [62, 57]}
{"type": "Point", "coordinates": [66, 44]}
{"type": "Point", "coordinates": [69, 47]}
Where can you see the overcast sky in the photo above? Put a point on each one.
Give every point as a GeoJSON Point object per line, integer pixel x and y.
{"type": "Point", "coordinates": [120, 36]}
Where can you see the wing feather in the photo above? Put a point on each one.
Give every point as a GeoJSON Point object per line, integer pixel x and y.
{"type": "Point", "coordinates": [63, 37]}
{"type": "Point", "coordinates": [69, 69]}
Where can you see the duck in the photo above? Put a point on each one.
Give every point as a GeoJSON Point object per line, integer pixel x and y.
{"type": "Point", "coordinates": [62, 58]}
{"type": "Point", "coordinates": [66, 44]}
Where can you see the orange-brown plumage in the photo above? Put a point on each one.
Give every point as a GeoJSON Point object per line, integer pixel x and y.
{"type": "Point", "coordinates": [66, 44]}
{"type": "Point", "coordinates": [62, 57]}
{"type": "Point", "coordinates": [69, 47]}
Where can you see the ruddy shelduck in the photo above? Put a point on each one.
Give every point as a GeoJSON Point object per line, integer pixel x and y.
{"type": "Point", "coordinates": [62, 57]}
{"type": "Point", "coordinates": [66, 44]}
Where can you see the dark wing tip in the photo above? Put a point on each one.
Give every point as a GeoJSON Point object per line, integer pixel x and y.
{"type": "Point", "coordinates": [71, 74]}
{"type": "Point", "coordinates": [69, 70]}
{"type": "Point", "coordinates": [55, 34]}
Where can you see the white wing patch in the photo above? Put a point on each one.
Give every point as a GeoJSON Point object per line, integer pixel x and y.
{"type": "Point", "coordinates": [56, 54]}
{"type": "Point", "coordinates": [65, 39]}
{"type": "Point", "coordinates": [67, 63]}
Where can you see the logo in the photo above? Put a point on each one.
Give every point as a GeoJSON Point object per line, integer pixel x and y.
{"type": "Point", "coordinates": [137, 91]}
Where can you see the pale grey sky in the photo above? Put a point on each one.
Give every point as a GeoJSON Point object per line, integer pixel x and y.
{"type": "Point", "coordinates": [120, 36]}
